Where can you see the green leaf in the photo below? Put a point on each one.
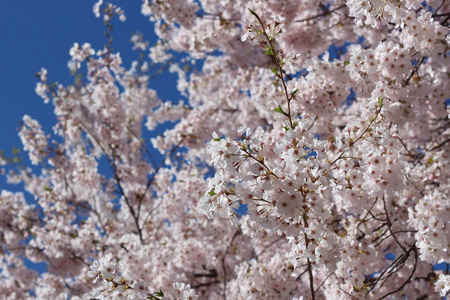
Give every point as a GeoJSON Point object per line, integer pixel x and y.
{"type": "Point", "coordinates": [275, 71]}
{"type": "Point", "coordinates": [252, 12]}
{"type": "Point", "coordinates": [211, 193]}
{"type": "Point", "coordinates": [160, 293]}
{"type": "Point", "coordinates": [380, 101]}
{"type": "Point", "coordinates": [15, 150]}
{"type": "Point", "coordinates": [279, 110]}
{"type": "Point", "coordinates": [294, 92]}
{"type": "Point", "coordinates": [269, 51]}
{"type": "Point", "coordinates": [346, 63]}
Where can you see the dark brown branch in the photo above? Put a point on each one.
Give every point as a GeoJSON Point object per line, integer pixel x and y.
{"type": "Point", "coordinates": [80, 259]}
{"type": "Point", "coordinates": [211, 16]}
{"type": "Point", "coordinates": [414, 71]}
{"type": "Point", "coordinates": [301, 274]}
{"type": "Point", "coordinates": [211, 274]}
{"type": "Point", "coordinates": [399, 261]}
{"type": "Point", "coordinates": [260, 161]}
{"type": "Point", "coordinates": [144, 146]}
{"type": "Point", "coordinates": [390, 226]}
{"type": "Point", "coordinates": [414, 185]}
{"type": "Point", "coordinates": [150, 181]}
{"type": "Point", "coordinates": [325, 13]}
{"type": "Point", "coordinates": [223, 264]}
{"type": "Point", "coordinates": [441, 15]}
{"type": "Point", "coordinates": [385, 238]}
{"type": "Point", "coordinates": [272, 243]}
{"type": "Point", "coordinates": [279, 69]}
{"type": "Point", "coordinates": [348, 294]}
{"type": "Point", "coordinates": [205, 284]}
{"type": "Point", "coordinates": [440, 145]}
{"type": "Point", "coordinates": [122, 192]}
{"type": "Point", "coordinates": [320, 285]}
{"type": "Point", "coordinates": [410, 276]}
{"type": "Point", "coordinates": [440, 6]}
{"type": "Point", "coordinates": [311, 277]}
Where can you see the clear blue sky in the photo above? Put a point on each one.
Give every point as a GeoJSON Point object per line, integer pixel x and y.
{"type": "Point", "coordinates": [35, 34]}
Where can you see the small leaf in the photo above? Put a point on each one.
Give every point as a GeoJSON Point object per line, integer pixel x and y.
{"type": "Point", "coordinates": [294, 92]}
{"type": "Point", "coordinates": [275, 71]}
{"type": "Point", "coordinates": [380, 101]}
{"type": "Point", "coordinates": [269, 51]}
{"type": "Point", "coordinates": [346, 63]}
{"type": "Point", "coordinates": [252, 12]}
{"type": "Point", "coordinates": [279, 110]}
{"type": "Point", "coordinates": [15, 150]}
{"type": "Point", "coordinates": [211, 193]}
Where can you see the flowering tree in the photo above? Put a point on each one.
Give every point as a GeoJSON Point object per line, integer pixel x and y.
{"type": "Point", "coordinates": [286, 174]}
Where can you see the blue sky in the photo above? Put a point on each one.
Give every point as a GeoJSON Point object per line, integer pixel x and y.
{"type": "Point", "coordinates": [36, 34]}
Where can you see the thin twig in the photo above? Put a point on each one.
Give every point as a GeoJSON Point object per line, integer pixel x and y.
{"type": "Point", "coordinates": [325, 13]}
{"type": "Point", "coordinates": [150, 181]}
{"type": "Point", "coordinates": [223, 264]}
{"type": "Point", "coordinates": [320, 285]}
{"type": "Point", "coordinates": [414, 71]}
{"type": "Point", "coordinates": [410, 276]}
{"type": "Point", "coordinates": [267, 247]}
{"type": "Point", "coordinates": [390, 225]}
{"type": "Point", "coordinates": [280, 70]}
{"type": "Point", "coordinates": [311, 277]}
{"type": "Point", "coordinates": [440, 145]}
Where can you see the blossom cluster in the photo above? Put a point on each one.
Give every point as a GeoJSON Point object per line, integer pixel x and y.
{"type": "Point", "coordinates": [308, 158]}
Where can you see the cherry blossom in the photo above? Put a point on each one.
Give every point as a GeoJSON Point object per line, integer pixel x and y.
{"type": "Point", "coordinates": [308, 158]}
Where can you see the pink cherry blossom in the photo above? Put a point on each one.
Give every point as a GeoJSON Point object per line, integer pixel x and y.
{"type": "Point", "coordinates": [309, 159]}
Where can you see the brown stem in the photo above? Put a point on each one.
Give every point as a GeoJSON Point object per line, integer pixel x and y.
{"type": "Point", "coordinates": [267, 247]}
{"type": "Point", "coordinates": [223, 264]}
{"type": "Point", "coordinates": [414, 71]}
{"type": "Point", "coordinates": [311, 282]}
{"type": "Point", "coordinates": [150, 181]}
{"type": "Point", "coordinates": [410, 276]}
{"type": "Point", "coordinates": [280, 70]}
{"type": "Point", "coordinates": [130, 207]}
{"type": "Point", "coordinates": [440, 145]}
{"type": "Point", "coordinates": [311, 277]}
{"type": "Point", "coordinates": [261, 162]}
{"type": "Point", "coordinates": [390, 226]}
{"type": "Point", "coordinates": [325, 13]}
